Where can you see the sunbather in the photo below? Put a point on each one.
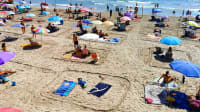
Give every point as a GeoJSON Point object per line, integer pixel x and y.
{"type": "Point", "coordinates": [169, 54]}
{"type": "Point", "coordinates": [6, 72]}
{"type": "Point", "coordinates": [33, 43]}
{"type": "Point", "coordinates": [85, 52]}
{"type": "Point", "coordinates": [167, 78]}
{"type": "Point", "coordinates": [157, 32]}
{"type": "Point", "coordinates": [3, 46]}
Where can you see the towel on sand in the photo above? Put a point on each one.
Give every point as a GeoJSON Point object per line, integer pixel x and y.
{"type": "Point", "coordinates": [156, 93]}
{"type": "Point", "coordinates": [100, 89]}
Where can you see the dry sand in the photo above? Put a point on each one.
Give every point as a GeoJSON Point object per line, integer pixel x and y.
{"type": "Point", "coordinates": [127, 66]}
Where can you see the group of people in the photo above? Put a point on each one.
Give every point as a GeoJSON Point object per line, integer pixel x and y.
{"type": "Point", "coordinates": [52, 28]}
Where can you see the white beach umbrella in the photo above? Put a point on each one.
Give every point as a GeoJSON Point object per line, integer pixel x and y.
{"type": "Point", "coordinates": [89, 36]}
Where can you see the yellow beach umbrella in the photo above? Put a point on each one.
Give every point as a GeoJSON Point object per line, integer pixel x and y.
{"type": "Point", "coordinates": [192, 23]}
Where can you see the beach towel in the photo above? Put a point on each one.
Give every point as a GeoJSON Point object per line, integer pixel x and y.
{"type": "Point", "coordinates": [8, 109]}
{"type": "Point", "coordinates": [181, 100]}
{"type": "Point", "coordinates": [156, 93]}
{"type": "Point", "coordinates": [67, 56]}
{"type": "Point", "coordinates": [171, 85]}
{"type": "Point", "coordinates": [100, 89]}
{"type": "Point", "coordinates": [65, 88]}
{"type": "Point", "coordinates": [75, 58]}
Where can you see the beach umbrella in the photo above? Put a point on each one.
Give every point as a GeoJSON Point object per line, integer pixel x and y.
{"type": "Point", "coordinates": [8, 109]}
{"type": "Point", "coordinates": [30, 15]}
{"type": "Point", "coordinates": [55, 18]}
{"type": "Point", "coordinates": [84, 26]}
{"type": "Point", "coordinates": [22, 2]}
{"type": "Point", "coordinates": [27, 7]}
{"type": "Point", "coordinates": [125, 18]}
{"type": "Point", "coordinates": [45, 13]}
{"type": "Point", "coordinates": [41, 30]}
{"type": "Point", "coordinates": [5, 57]}
{"type": "Point", "coordinates": [17, 25]}
{"type": "Point", "coordinates": [2, 23]}
{"type": "Point", "coordinates": [85, 9]}
{"type": "Point", "coordinates": [129, 15]}
{"type": "Point", "coordinates": [169, 40]}
{"type": "Point", "coordinates": [10, 12]}
{"type": "Point", "coordinates": [192, 23]}
{"type": "Point", "coordinates": [108, 23]}
{"type": "Point", "coordinates": [3, 12]}
{"type": "Point", "coordinates": [156, 11]}
{"type": "Point", "coordinates": [87, 21]}
{"type": "Point", "coordinates": [97, 22]}
{"type": "Point", "coordinates": [187, 68]}
{"type": "Point", "coordinates": [89, 36]}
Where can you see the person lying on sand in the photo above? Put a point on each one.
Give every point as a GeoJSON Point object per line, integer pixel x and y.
{"type": "Point", "coordinates": [167, 78]}
{"type": "Point", "coordinates": [102, 35]}
{"type": "Point", "coordinates": [6, 72]}
{"type": "Point", "coordinates": [33, 43]}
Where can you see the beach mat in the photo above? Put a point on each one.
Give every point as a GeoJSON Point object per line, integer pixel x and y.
{"type": "Point", "coordinates": [8, 109]}
{"type": "Point", "coordinates": [156, 93]}
{"type": "Point", "coordinates": [100, 89]}
{"type": "Point", "coordinates": [171, 85]}
{"type": "Point", "coordinates": [65, 88]}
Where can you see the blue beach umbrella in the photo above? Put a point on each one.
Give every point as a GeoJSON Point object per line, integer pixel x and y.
{"type": "Point", "coordinates": [187, 68]}
{"type": "Point", "coordinates": [30, 15]}
{"type": "Point", "coordinates": [169, 40]}
{"type": "Point", "coordinates": [84, 26]}
{"type": "Point", "coordinates": [28, 7]}
{"type": "Point", "coordinates": [87, 21]}
{"type": "Point", "coordinates": [156, 11]}
{"type": "Point", "coordinates": [6, 56]}
{"type": "Point", "coordinates": [17, 25]}
{"type": "Point", "coordinates": [45, 13]}
{"type": "Point", "coordinates": [55, 18]}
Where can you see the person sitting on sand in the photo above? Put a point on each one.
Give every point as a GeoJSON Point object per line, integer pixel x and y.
{"type": "Point", "coordinates": [85, 52]}
{"type": "Point", "coordinates": [3, 46]}
{"type": "Point", "coordinates": [78, 52]}
{"type": "Point", "coordinates": [101, 34]}
{"type": "Point", "coordinates": [94, 30]}
{"type": "Point", "coordinates": [169, 54]}
{"type": "Point", "coordinates": [167, 78]}
{"type": "Point", "coordinates": [198, 94]}
{"type": "Point", "coordinates": [157, 32]}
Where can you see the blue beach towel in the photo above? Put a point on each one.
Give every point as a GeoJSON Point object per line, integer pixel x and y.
{"type": "Point", "coordinates": [115, 40]}
{"type": "Point", "coordinates": [65, 88]}
{"type": "Point", "coordinates": [100, 89]}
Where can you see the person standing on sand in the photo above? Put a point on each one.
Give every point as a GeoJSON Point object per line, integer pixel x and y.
{"type": "Point", "coordinates": [75, 40]}
{"type": "Point", "coordinates": [32, 30]}
{"type": "Point", "coordinates": [108, 8]}
{"type": "Point", "coordinates": [23, 28]}
{"type": "Point", "coordinates": [110, 13]}
{"type": "Point", "coordinates": [3, 46]}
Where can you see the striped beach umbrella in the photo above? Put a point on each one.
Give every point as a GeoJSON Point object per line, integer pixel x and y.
{"type": "Point", "coordinates": [41, 30]}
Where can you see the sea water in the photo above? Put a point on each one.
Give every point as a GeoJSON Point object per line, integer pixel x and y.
{"type": "Point", "coordinates": [167, 6]}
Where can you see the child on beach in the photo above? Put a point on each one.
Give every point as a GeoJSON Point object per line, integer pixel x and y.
{"type": "Point", "coordinates": [23, 28]}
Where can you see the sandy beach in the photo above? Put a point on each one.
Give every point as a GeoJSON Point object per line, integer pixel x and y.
{"type": "Point", "coordinates": [127, 66]}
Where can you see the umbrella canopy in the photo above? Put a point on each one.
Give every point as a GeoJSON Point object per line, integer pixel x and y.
{"type": "Point", "coordinates": [156, 11]}
{"type": "Point", "coordinates": [27, 7]}
{"type": "Point", "coordinates": [17, 25]}
{"type": "Point", "coordinates": [87, 21]}
{"type": "Point", "coordinates": [22, 2]}
{"type": "Point", "coordinates": [45, 13]}
{"type": "Point", "coordinates": [129, 15]}
{"type": "Point", "coordinates": [125, 18]}
{"type": "Point", "coordinates": [89, 36]}
{"type": "Point", "coordinates": [186, 68]}
{"type": "Point", "coordinates": [85, 9]}
{"type": "Point", "coordinates": [10, 12]}
{"type": "Point", "coordinates": [41, 30]}
{"type": "Point", "coordinates": [169, 40]}
{"type": "Point", "coordinates": [55, 18]}
{"type": "Point", "coordinates": [30, 15]}
{"type": "Point", "coordinates": [8, 109]}
{"type": "Point", "coordinates": [97, 22]}
{"type": "Point", "coordinates": [5, 57]}
{"type": "Point", "coordinates": [3, 12]}
{"type": "Point", "coordinates": [84, 26]}
{"type": "Point", "coordinates": [192, 23]}
{"type": "Point", "coordinates": [108, 23]}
